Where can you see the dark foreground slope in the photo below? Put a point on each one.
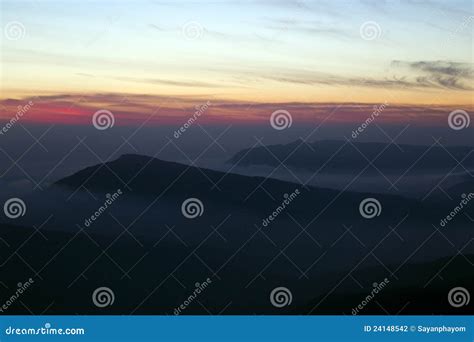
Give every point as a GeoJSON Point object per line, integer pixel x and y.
{"type": "Point", "coordinates": [152, 257]}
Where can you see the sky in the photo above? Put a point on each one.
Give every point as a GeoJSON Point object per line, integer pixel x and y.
{"type": "Point", "coordinates": [136, 55]}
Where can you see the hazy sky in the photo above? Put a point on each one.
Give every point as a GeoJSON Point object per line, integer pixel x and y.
{"type": "Point", "coordinates": [412, 52]}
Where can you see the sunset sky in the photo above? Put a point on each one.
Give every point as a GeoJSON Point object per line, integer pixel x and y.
{"type": "Point", "coordinates": [413, 53]}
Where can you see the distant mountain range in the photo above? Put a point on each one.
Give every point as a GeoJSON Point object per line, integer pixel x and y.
{"type": "Point", "coordinates": [146, 176]}
{"type": "Point", "coordinates": [352, 157]}
{"type": "Point", "coordinates": [151, 255]}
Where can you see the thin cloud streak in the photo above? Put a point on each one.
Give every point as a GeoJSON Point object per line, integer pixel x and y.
{"type": "Point", "coordinates": [426, 75]}
{"type": "Point", "coordinates": [133, 110]}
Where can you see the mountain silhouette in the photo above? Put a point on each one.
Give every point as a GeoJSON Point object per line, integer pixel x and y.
{"type": "Point", "coordinates": [151, 255]}
{"type": "Point", "coordinates": [146, 176]}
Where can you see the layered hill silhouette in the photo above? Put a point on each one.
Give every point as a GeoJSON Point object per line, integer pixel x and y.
{"type": "Point", "coordinates": [352, 157]}
{"type": "Point", "coordinates": [151, 255]}
{"type": "Point", "coordinates": [146, 176]}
